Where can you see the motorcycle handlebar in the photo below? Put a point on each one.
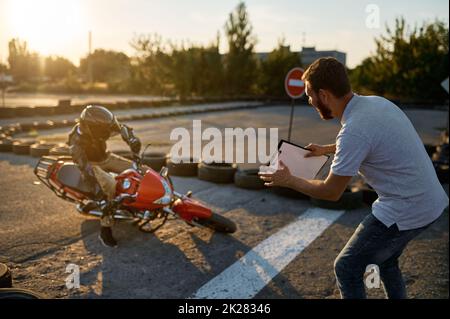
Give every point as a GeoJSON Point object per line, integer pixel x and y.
{"type": "Point", "coordinates": [136, 162]}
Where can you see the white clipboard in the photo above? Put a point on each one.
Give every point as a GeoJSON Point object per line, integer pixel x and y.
{"type": "Point", "coordinates": [293, 156]}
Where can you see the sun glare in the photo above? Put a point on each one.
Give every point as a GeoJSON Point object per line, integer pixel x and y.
{"type": "Point", "coordinates": [47, 25]}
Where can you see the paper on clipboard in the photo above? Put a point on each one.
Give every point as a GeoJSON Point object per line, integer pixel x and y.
{"type": "Point", "coordinates": [293, 156]}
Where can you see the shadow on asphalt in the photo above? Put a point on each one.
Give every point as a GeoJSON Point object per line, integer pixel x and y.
{"type": "Point", "coordinates": [145, 266]}
{"type": "Point", "coordinates": [15, 159]}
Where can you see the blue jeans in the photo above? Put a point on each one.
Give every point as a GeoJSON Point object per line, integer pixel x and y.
{"type": "Point", "coordinates": [373, 243]}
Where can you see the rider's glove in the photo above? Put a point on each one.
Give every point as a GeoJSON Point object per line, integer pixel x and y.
{"type": "Point", "coordinates": [135, 145]}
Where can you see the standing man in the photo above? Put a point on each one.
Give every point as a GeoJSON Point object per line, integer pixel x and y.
{"type": "Point", "coordinates": [378, 141]}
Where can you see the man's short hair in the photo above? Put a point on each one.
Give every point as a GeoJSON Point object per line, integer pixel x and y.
{"type": "Point", "coordinates": [328, 74]}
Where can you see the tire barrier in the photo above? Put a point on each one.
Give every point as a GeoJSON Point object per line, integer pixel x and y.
{"type": "Point", "coordinates": [441, 154]}
{"type": "Point", "coordinates": [41, 149]}
{"type": "Point", "coordinates": [444, 137]}
{"type": "Point", "coordinates": [126, 154]}
{"type": "Point", "coordinates": [6, 145]}
{"type": "Point", "coordinates": [22, 147]}
{"type": "Point", "coordinates": [60, 150]}
{"type": "Point", "coordinates": [14, 128]}
{"type": "Point", "coordinates": [140, 117]}
{"type": "Point", "coordinates": [349, 200]}
{"type": "Point", "coordinates": [25, 111]}
{"type": "Point", "coordinates": [156, 160]}
{"type": "Point", "coordinates": [431, 149]}
{"type": "Point", "coordinates": [368, 194]}
{"type": "Point", "coordinates": [10, 131]}
{"type": "Point", "coordinates": [442, 173]}
{"type": "Point", "coordinates": [5, 276]}
{"type": "Point", "coordinates": [248, 178]}
{"type": "Point", "coordinates": [49, 125]}
{"type": "Point", "coordinates": [186, 167]}
{"type": "Point", "coordinates": [289, 193]}
{"type": "Point", "coordinates": [217, 172]}
{"type": "Point", "coordinates": [126, 118]}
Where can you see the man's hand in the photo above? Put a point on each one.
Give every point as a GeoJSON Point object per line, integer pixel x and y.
{"type": "Point", "coordinates": [318, 150]}
{"type": "Point", "coordinates": [282, 177]}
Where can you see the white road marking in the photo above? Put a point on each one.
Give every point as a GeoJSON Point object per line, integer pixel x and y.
{"type": "Point", "coordinates": [251, 273]}
{"type": "Point", "coordinates": [297, 83]}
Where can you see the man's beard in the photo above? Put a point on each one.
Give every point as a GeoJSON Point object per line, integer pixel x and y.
{"type": "Point", "coordinates": [324, 111]}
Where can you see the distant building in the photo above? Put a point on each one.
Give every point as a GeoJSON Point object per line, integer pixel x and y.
{"type": "Point", "coordinates": [309, 54]}
{"type": "Point", "coordinates": [6, 78]}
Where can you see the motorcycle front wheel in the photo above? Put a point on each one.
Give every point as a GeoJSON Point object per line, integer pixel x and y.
{"type": "Point", "coordinates": [218, 223]}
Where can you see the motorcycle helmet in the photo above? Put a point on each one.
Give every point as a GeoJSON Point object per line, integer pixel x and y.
{"type": "Point", "coordinates": [98, 122]}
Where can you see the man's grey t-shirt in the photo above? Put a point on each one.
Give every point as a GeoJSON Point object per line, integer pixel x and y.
{"type": "Point", "coordinates": [378, 140]}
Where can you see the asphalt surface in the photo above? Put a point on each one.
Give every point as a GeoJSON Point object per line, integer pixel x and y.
{"type": "Point", "coordinates": [41, 234]}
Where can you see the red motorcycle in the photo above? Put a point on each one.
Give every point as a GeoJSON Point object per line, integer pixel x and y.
{"type": "Point", "coordinates": [144, 197]}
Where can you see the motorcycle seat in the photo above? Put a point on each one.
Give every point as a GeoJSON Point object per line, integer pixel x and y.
{"type": "Point", "coordinates": [70, 176]}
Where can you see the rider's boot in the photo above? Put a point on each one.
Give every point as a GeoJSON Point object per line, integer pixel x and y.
{"type": "Point", "coordinates": [88, 206]}
{"type": "Point", "coordinates": [106, 222]}
{"type": "Point", "coordinates": [106, 237]}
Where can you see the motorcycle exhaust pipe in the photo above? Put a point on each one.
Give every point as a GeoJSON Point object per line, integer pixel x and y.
{"type": "Point", "coordinates": [99, 214]}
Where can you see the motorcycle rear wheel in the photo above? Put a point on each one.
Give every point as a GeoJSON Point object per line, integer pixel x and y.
{"type": "Point", "coordinates": [218, 223]}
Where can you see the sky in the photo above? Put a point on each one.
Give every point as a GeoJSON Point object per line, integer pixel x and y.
{"type": "Point", "coordinates": [61, 27]}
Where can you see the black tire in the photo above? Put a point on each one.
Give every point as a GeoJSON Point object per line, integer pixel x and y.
{"type": "Point", "coordinates": [349, 200]}
{"type": "Point", "coordinates": [442, 173]}
{"type": "Point", "coordinates": [41, 149]}
{"type": "Point", "coordinates": [431, 149]}
{"type": "Point", "coordinates": [6, 145]}
{"type": "Point", "coordinates": [444, 136]}
{"type": "Point", "coordinates": [156, 160]}
{"type": "Point", "coordinates": [5, 276]}
{"type": "Point", "coordinates": [248, 178]}
{"type": "Point", "coordinates": [289, 193]}
{"type": "Point", "coordinates": [22, 147]}
{"type": "Point", "coordinates": [187, 167]}
{"type": "Point", "coordinates": [126, 154]}
{"type": "Point", "coordinates": [16, 293]}
{"type": "Point", "coordinates": [61, 150]}
{"type": "Point", "coordinates": [221, 173]}
{"type": "Point", "coordinates": [368, 195]}
{"type": "Point", "coordinates": [11, 131]}
{"type": "Point", "coordinates": [218, 223]}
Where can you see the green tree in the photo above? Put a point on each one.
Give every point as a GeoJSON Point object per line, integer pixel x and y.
{"type": "Point", "coordinates": [23, 65]}
{"type": "Point", "coordinates": [275, 68]}
{"type": "Point", "coordinates": [197, 70]}
{"type": "Point", "coordinates": [151, 66]}
{"type": "Point", "coordinates": [107, 66]}
{"type": "Point", "coordinates": [241, 66]}
{"type": "Point", "coordinates": [58, 68]}
{"type": "Point", "coordinates": [409, 64]}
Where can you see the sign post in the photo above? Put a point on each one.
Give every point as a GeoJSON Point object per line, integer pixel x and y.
{"type": "Point", "coordinates": [295, 88]}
